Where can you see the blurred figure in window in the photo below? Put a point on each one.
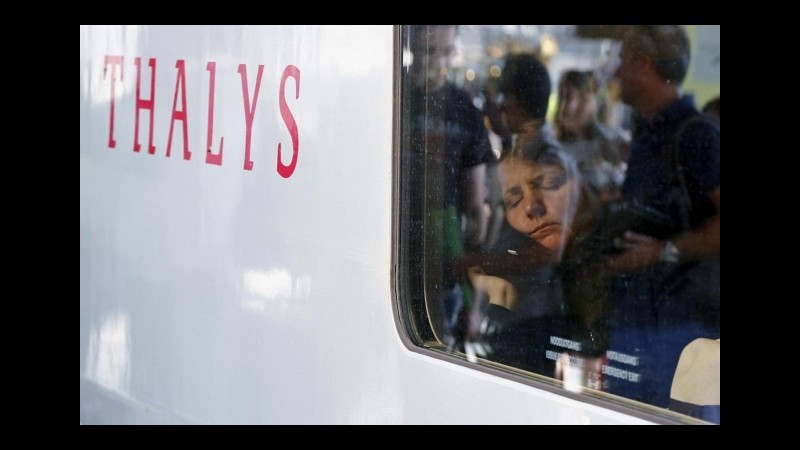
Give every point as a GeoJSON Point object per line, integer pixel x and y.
{"type": "Point", "coordinates": [613, 113]}
{"type": "Point", "coordinates": [525, 86]}
{"type": "Point", "coordinates": [594, 146]}
{"type": "Point", "coordinates": [711, 109]}
{"type": "Point", "coordinates": [555, 303]}
{"type": "Point", "coordinates": [525, 90]}
{"type": "Point", "coordinates": [451, 151]}
{"type": "Point", "coordinates": [540, 192]}
{"type": "Point", "coordinates": [548, 289]}
{"type": "Point", "coordinates": [667, 293]}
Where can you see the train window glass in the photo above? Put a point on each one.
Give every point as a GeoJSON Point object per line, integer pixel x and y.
{"type": "Point", "coordinates": [559, 205]}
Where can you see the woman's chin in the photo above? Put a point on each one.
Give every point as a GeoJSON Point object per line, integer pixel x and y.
{"type": "Point", "coordinates": [551, 242]}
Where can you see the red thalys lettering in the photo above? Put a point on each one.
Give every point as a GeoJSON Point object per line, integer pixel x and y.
{"type": "Point", "coordinates": [182, 114]}
{"type": "Point", "coordinates": [145, 104]}
{"type": "Point", "coordinates": [288, 119]}
{"type": "Point", "coordinates": [114, 61]}
{"type": "Point", "coordinates": [211, 157]}
{"type": "Point", "coordinates": [249, 112]}
{"type": "Point", "coordinates": [180, 86]}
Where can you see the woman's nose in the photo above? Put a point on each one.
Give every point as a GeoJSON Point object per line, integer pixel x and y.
{"type": "Point", "coordinates": [534, 206]}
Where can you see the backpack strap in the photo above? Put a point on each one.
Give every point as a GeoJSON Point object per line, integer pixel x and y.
{"type": "Point", "coordinates": [676, 172]}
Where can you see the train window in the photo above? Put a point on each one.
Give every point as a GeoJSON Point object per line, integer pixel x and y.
{"type": "Point", "coordinates": [558, 206]}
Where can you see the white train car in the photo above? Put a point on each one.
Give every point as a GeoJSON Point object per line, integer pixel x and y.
{"type": "Point", "coordinates": [241, 241]}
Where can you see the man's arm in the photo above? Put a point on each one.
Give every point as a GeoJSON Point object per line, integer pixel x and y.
{"type": "Point", "coordinates": [698, 243]}
{"type": "Point", "coordinates": [702, 241]}
{"type": "Point", "coordinates": [473, 196]}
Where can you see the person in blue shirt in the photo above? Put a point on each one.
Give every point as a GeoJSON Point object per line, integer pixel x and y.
{"type": "Point", "coordinates": [667, 288]}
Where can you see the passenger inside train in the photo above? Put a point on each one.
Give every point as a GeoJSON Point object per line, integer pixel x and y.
{"type": "Point", "coordinates": [450, 151]}
{"type": "Point", "coordinates": [603, 270]}
{"type": "Point", "coordinates": [596, 147]}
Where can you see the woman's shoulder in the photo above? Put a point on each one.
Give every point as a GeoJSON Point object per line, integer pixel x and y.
{"type": "Point", "coordinates": [607, 133]}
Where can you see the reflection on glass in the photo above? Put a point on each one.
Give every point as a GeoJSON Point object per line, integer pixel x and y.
{"type": "Point", "coordinates": [109, 355]}
{"type": "Point", "coordinates": [569, 251]}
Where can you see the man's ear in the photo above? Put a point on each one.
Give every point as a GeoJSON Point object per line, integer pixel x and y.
{"type": "Point", "coordinates": [645, 65]}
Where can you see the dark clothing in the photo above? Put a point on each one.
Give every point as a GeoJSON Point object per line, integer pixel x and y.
{"type": "Point", "coordinates": [648, 180]}
{"type": "Point", "coordinates": [538, 288]}
{"type": "Point", "coordinates": [446, 126]}
{"type": "Point", "coordinates": [660, 309]}
{"type": "Point", "coordinates": [445, 137]}
{"type": "Point", "coordinates": [560, 300]}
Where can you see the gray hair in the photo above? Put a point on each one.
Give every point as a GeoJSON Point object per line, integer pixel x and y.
{"type": "Point", "coordinates": [667, 45]}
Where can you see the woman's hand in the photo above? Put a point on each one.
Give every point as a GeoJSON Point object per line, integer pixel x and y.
{"type": "Point", "coordinates": [643, 251]}
{"type": "Point", "coordinates": [499, 290]}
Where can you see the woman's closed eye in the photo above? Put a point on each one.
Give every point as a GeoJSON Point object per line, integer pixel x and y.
{"type": "Point", "coordinates": [512, 200]}
{"type": "Point", "coordinates": [550, 181]}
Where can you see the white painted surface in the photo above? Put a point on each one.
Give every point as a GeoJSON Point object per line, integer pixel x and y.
{"type": "Point", "coordinates": [212, 294]}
